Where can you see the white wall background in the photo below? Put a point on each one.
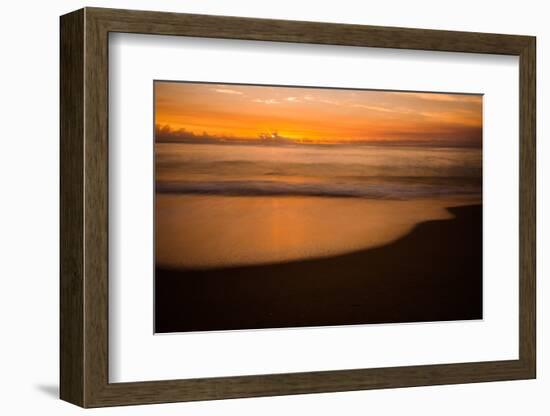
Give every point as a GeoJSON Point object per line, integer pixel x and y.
{"type": "Point", "coordinates": [29, 224]}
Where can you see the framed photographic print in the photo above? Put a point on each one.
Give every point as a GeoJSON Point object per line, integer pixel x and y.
{"type": "Point", "coordinates": [255, 207]}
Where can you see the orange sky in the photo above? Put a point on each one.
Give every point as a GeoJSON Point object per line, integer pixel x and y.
{"type": "Point", "coordinates": [317, 114]}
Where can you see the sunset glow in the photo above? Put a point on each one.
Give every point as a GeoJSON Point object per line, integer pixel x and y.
{"type": "Point", "coordinates": [315, 115]}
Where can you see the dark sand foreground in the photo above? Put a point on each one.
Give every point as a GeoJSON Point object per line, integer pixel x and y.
{"type": "Point", "coordinates": [432, 274]}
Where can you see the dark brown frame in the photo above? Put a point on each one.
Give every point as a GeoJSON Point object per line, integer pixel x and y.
{"type": "Point", "coordinates": [84, 210]}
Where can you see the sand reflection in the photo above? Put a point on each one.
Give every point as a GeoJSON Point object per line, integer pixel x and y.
{"type": "Point", "coordinates": [218, 231]}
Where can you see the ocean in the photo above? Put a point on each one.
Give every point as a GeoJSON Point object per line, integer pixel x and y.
{"type": "Point", "coordinates": [378, 172]}
{"type": "Point", "coordinates": [221, 205]}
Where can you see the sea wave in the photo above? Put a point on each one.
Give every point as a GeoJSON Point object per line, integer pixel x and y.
{"type": "Point", "coordinates": [322, 189]}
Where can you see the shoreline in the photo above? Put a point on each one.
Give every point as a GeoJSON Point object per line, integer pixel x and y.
{"type": "Point", "coordinates": [432, 273]}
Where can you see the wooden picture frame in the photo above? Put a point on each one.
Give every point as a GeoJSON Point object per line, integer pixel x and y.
{"type": "Point", "coordinates": [84, 207]}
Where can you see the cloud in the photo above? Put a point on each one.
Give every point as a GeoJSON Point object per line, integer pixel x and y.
{"type": "Point", "coordinates": [270, 101]}
{"type": "Point", "coordinates": [373, 108]}
{"type": "Point", "coordinates": [319, 100]}
{"type": "Point", "coordinates": [331, 102]}
{"type": "Point", "coordinates": [464, 98]}
{"type": "Point", "coordinates": [165, 134]}
{"type": "Point", "coordinates": [456, 136]}
{"type": "Point", "coordinates": [227, 91]}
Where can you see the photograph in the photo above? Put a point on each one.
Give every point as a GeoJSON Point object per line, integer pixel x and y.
{"type": "Point", "coordinates": [291, 206]}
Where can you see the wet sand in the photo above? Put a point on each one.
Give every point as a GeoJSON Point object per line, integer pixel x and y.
{"type": "Point", "coordinates": [433, 273]}
{"type": "Point", "coordinates": [212, 231]}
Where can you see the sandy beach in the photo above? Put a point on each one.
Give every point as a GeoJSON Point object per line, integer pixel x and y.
{"type": "Point", "coordinates": [433, 272]}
